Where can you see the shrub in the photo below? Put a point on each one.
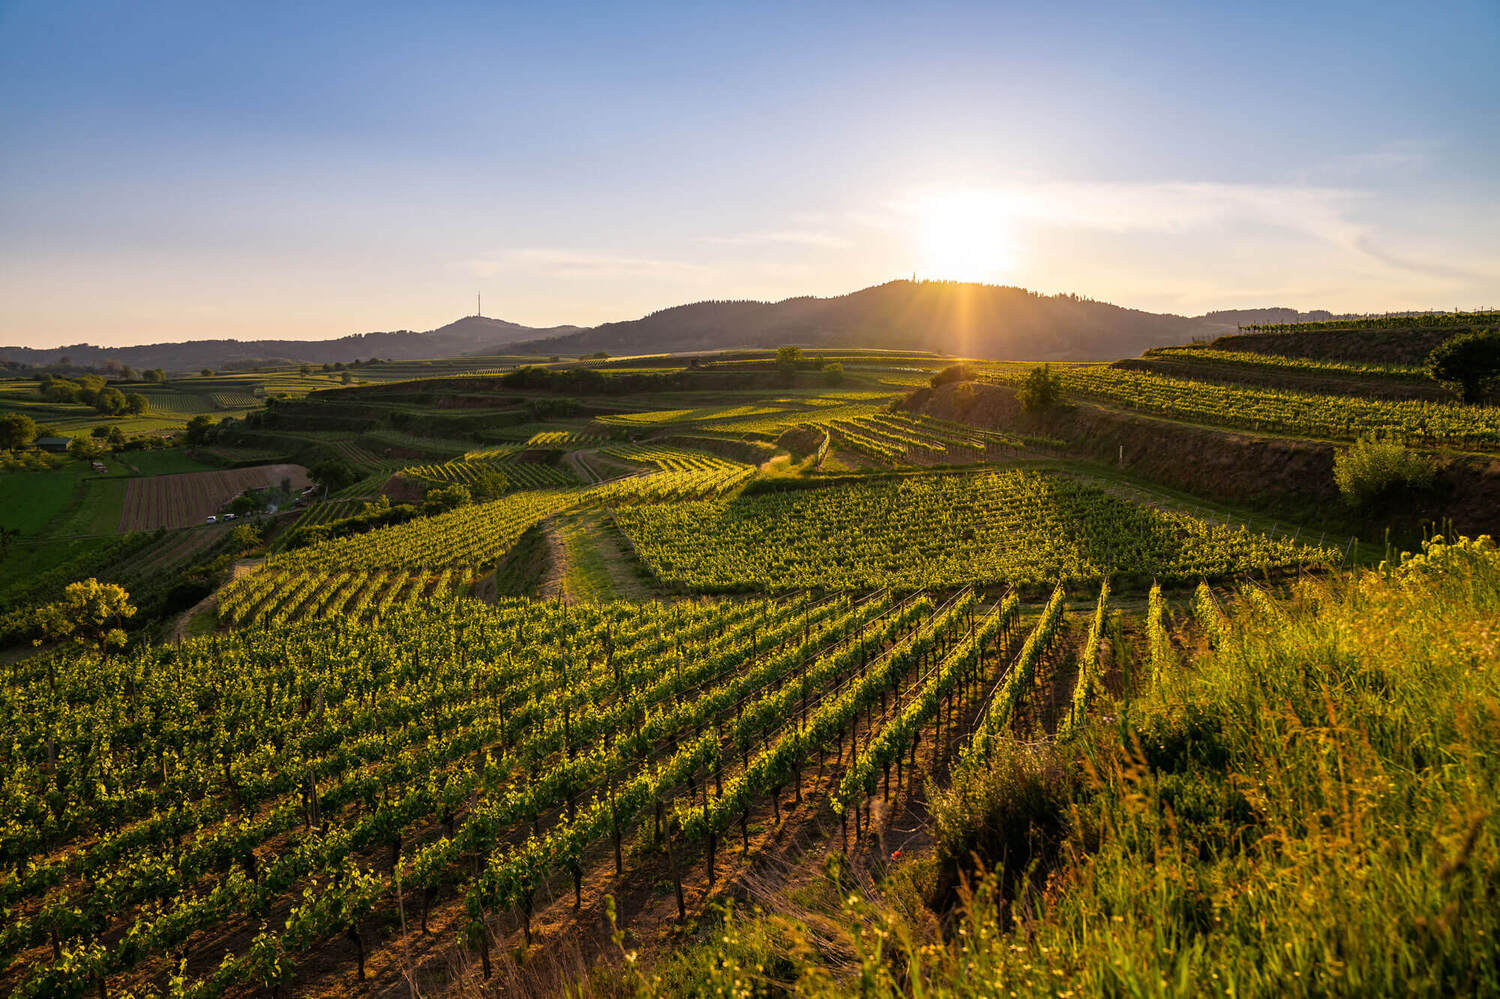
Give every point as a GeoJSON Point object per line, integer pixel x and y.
{"type": "Point", "coordinates": [953, 373]}
{"type": "Point", "coordinates": [1041, 390]}
{"type": "Point", "coordinates": [1372, 471]}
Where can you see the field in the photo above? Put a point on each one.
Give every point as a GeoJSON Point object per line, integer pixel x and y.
{"type": "Point", "coordinates": [685, 707]}
{"type": "Point", "coordinates": [187, 499]}
{"type": "Point", "coordinates": [925, 532]}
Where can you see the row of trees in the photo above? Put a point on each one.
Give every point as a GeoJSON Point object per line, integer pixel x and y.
{"type": "Point", "coordinates": [92, 390]}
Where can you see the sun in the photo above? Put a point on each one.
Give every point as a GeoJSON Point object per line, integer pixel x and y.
{"type": "Point", "coordinates": [965, 236]}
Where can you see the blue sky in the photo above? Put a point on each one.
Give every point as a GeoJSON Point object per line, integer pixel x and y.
{"type": "Point", "coordinates": [170, 170]}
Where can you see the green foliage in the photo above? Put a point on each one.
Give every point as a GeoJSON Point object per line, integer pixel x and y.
{"type": "Point", "coordinates": [89, 615]}
{"type": "Point", "coordinates": [111, 401]}
{"type": "Point", "coordinates": [16, 431]}
{"type": "Point", "coordinates": [954, 373]}
{"type": "Point", "coordinates": [87, 449]}
{"type": "Point", "coordinates": [1373, 472]}
{"type": "Point", "coordinates": [1040, 389]}
{"type": "Point", "coordinates": [446, 498]}
{"type": "Point", "coordinates": [200, 429]}
{"type": "Point", "coordinates": [334, 474]}
{"type": "Point", "coordinates": [244, 537]}
{"type": "Point", "coordinates": [1469, 361]}
{"type": "Point", "coordinates": [833, 374]}
{"type": "Point", "coordinates": [1307, 811]}
{"type": "Point", "coordinates": [937, 530]}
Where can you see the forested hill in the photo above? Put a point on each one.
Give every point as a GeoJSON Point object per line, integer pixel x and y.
{"type": "Point", "coordinates": [965, 319]}
{"type": "Point", "coordinates": [469, 335]}
{"type": "Point", "coordinates": [968, 319]}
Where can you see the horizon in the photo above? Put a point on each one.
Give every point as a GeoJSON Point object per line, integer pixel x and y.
{"type": "Point", "coordinates": [709, 301]}
{"type": "Point", "coordinates": [187, 173]}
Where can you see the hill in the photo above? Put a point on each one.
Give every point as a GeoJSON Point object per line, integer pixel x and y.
{"type": "Point", "coordinates": [469, 335]}
{"type": "Point", "coordinates": [975, 320]}
{"type": "Point", "coordinates": [949, 317]}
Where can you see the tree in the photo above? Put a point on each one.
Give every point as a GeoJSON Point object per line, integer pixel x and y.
{"type": "Point", "coordinates": [306, 369]}
{"type": "Point", "coordinates": [16, 431]}
{"type": "Point", "coordinates": [200, 429]}
{"type": "Point", "coordinates": [833, 373]}
{"type": "Point", "coordinates": [207, 372]}
{"type": "Point", "coordinates": [156, 375]}
{"type": "Point", "coordinates": [346, 378]}
{"type": "Point", "coordinates": [1041, 390]}
{"type": "Point", "coordinates": [115, 437]}
{"type": "Point", "coordinates": [334, 474]}
{"type": "Point", "coordinates": [89, 615]}
{"type": "Point", "coordinates": [7, 536]}
{"type": "Point", "coordinates": [244, 537]}
{"type": "Point", "coordinates": [136, 404]}
{"type": "Point", "coordinates": [86, 449]}
{"type": "Point", "coordinates": [787, 359]}
{"type": "Point", "coordinates": [1470, 361]}
{"type": "Point", "coordinates": [111, 401]}
{"type": "Point", "coordinates": [58, 390]}
{"type": "Point", "coordinates": [244, 503]}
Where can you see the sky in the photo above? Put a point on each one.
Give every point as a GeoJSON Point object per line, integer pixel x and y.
{"type": "Point", "coordinates": [176, 171]}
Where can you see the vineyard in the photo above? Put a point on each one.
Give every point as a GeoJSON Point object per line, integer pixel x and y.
{"type": "Point", "coordinates": [1245, 359]}
{"type": "Point", "coordinates": [483, 466]}
{"type": "Point", "coordinates": [1306, 414]}
{"type": "Point", "coordinates": [920, 532]}
{"type": "Point", "coordinates": [571, 720]}
{"type": "Point", "coordinates": [1417, 321]}
{"type": "Point", "coordinates": [472, 754]}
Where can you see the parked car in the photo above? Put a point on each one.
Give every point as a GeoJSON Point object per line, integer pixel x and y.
{"type": "Point", "coordinates": [212, 519]}
{"type": "Point", "coordinates": [229, 516]}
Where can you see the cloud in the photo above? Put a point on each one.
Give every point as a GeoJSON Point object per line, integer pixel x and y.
{"type": "Point", "coordinates": [557, 262]}
{"type": "Point", "coordinates": [795, 237]}
{"type": "Point", "coordinates": [1323, 213]}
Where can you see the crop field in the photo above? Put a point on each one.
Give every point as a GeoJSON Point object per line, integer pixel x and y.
{"type": "Point", "coordinates": [518, 474]}
{"type": "Point", "coordinates": [1245, 359]}
{"type": "Point", "coordinates": [1268, 410]}
{"type": "Point", "coordinates": [186, 499]}
{"type": "Point", "coordinates": [637, 680]}
{"type": "Point", "coordinates": [450, 737]}
{"type": "Point", "coordinates": [941, 531]}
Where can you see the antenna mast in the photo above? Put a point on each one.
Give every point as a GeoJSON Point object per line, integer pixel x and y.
{"type": "Point", "coordinates": [478, 304]}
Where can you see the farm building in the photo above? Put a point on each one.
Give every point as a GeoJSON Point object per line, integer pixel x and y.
{"type": "Point", "coordinates": [57, 445]}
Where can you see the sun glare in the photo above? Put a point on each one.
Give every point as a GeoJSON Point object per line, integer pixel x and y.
{"type": "Point", "coordinates": [965, 236]}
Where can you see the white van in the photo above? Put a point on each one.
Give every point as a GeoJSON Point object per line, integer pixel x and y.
{"type": "Point", "coordinates": [211, 519]}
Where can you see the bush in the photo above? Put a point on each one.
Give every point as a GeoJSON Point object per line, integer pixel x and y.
{"type": "Point", "coordinates": [1041, 390]}
{"type": "Point", "coordinates": [1372, 471]}
{"type": "Point", "coordinates": [954, 373]}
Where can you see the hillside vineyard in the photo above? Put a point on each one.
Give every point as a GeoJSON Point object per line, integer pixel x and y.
{"type": "Point", "coordinates": [755, 676]}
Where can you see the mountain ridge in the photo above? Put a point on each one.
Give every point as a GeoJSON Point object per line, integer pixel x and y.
{"type": "Point", "coordinates": [957, 318]}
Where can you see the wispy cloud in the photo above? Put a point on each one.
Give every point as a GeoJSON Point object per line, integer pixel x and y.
{"type": "Point", "coordinates": [817, 238]}
{"type": "Point", "coordinates": [1323, 213]}
{"type": "Point", "coordinates": [559, 262]}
